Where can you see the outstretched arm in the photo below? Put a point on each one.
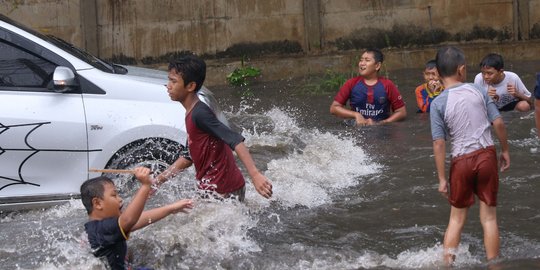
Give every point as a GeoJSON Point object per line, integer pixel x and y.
{"type": "Point", "coordinates": [261, 183]}
{"type": "Point", "coordinates": [156, 214]}
{"type": "Point", "coordinates": [439, 151]}
{"type": "Point", "coordinates": [500, 130]}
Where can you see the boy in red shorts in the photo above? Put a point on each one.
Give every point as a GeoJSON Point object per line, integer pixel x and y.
{"type": "Point", "coordinates": [464, 113]}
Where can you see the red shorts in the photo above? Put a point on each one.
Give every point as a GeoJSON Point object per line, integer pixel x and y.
{"type": "Point", "coordinates": [474, 173]}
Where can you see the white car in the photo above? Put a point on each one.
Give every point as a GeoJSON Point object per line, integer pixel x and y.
{"type": "Point", "coordinates": [64, 112]}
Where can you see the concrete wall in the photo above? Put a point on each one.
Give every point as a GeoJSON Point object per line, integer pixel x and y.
{"type": "Point", "coordinates": [143, 28]}
{"type": "Point", "coordinates": [342, 17]}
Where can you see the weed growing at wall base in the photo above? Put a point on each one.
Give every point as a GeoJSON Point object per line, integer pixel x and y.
{"type": "Point", "coordinates": [240, 76]}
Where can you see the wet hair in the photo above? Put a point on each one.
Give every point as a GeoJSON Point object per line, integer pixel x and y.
{"type": "Point", "coordinates": [493, 60]}
{"type": "Point", "coordinates": [431, 64]}
{"type": "Point", "coordinates": [448, 60]}
{"type": "Point", "coordinates": [93, 188]}
{"type": "Point", "coordinates": [191, 68]}
{"type": "Point", "coordinates": [377, 54]}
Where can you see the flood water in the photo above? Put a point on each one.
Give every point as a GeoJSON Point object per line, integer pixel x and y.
{"type": "Point", "coordinates": [344, 197]}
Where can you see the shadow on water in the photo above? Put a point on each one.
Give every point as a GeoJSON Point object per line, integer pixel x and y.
{"type": "Point", "coordinates": [344, 198]}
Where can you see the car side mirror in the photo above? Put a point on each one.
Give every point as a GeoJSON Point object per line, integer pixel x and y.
{"type": "Point", "coordinates": [64, 80]}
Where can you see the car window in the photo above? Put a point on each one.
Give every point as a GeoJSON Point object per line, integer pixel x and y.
{"type": "Point", "coordinates": [23, 71]}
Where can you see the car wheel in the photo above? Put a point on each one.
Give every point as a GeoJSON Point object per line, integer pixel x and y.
{"type": "Point", "coordinates": [155, 153]}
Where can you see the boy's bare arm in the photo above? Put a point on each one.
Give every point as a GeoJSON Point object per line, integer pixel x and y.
{"type": "Point", "coordinates": [439, 151]}
{"type": "Point", "coordinates": [398, 115]}
{"type": "Point", "coordinates": [500, 130]}
{"type": "Point", "coordinates": [131, 215]}
{"type": "Point", "coordinates": [156, 214]}
{"type": "Point", "coordinates": [339, 110]}
{"type": "Point", "coordinates": [262, 185]}
{"type": "Point", "coordinates": [179, 165]}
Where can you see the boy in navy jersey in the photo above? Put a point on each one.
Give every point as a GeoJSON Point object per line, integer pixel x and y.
{"type": "Point", "coordinates": [109, 226]}
{"type": "Point", "coordinates": [373, 99]}
{"type": "Point", "coordinates": [210, 143]}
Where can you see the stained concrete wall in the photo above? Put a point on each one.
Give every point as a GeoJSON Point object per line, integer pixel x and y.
{"type": "Point", "coordinates": [143, 28]}
{"type": "Point", "coordinates": [139, 29]}
{"type": "Point", "coordinates": [342, 17]}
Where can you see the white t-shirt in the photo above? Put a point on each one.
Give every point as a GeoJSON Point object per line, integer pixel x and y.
{"type": "Point", "coordinates": [463, 113]}
{"type": "Point", "coordinates": [504, 97]}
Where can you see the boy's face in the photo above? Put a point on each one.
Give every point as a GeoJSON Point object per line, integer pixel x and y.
{"type": "Point", "coordinates": [491, 75]}
{"type": "Point", "coordinates": [367, 65]}
{"type": "Point", "coordinates": [111, 203]}
{"type": "Point", "coordinates": [176, 88]}
{"type": "Point", "coordinates": [431, 74]}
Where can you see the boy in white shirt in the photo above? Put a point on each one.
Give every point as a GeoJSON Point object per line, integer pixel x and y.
{"type": "Point", "coordinates": [504, 87]}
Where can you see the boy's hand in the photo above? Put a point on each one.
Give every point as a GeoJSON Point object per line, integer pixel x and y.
{"type": "Point", "coordinates": [143, 175]}
{"type": "Point", "coordinates": [511, 89]}
{"type": "Point", "coordinates": [504, 161]}
{"type": "Point", "coordinates": [360, 120]}
{"type": "Point", "coordinates": [434, 85]}
{"type": "Point", "coordinates": [443, 187]}
{"type": "Point", "coordinates": [182, 206]}
{"type": "Point", "coordinates": [262, 185]}
{"type": "Point", "coordinates": [492, 92]}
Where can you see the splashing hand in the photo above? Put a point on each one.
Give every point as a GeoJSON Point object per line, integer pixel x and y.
{"type": "Point", "coordinates": [262, 185]}
{"type": "Point", "coordinates": [182, 206]}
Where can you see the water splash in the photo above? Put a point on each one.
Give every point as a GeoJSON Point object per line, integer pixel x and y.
{"type": "Point", "coordinates": [310, 169]}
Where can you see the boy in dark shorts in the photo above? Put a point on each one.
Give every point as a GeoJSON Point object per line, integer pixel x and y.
{"type": "Point", "coordinates": [109, 226]}
{"type": "Point", "coordinates": [464, 113]}
{"type": "Point", "coordinates": [210, 143]}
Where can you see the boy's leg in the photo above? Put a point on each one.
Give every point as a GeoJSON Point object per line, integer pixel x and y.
{"type": "Point", "coordinates": [523, 106]}
{"type": "Point", "coordinates": [487, 188]}
{"type": "Point", "coordinates": [452, 237]}
{"type": "Point", "coordinates": [488, 218]}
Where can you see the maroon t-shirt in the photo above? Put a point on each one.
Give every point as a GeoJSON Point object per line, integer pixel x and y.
{"type": "Point", "coordinates": [210, 145]}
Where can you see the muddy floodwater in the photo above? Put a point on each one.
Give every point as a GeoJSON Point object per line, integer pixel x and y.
{"type": "Point", "coordinates": [344, 197]}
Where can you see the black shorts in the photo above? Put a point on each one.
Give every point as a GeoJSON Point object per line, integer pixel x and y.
{"type": "Point", "coordinates": [509, 107]}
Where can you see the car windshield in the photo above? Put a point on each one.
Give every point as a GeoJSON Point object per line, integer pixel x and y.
{"type": "Point", "coordinates": [70, 48]}
{"type": "Point", "coordinates": [88, 58]}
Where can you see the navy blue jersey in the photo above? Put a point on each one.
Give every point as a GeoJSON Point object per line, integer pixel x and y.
{"type": "Point", "coordinates": [107, 240]}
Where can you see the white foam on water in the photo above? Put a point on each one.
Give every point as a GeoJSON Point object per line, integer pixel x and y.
{"type": "Point", "coordinates": [321, 164]}
{"type": "Point", "coordinates": [428, 258]}
{"type": "Point", "coordinates": [215, 233]}
{"type": "Point", "coordinates": [326, 165]}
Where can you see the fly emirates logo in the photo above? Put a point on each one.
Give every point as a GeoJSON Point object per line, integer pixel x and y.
{"type": "Point", "coordinates": [370, 110]}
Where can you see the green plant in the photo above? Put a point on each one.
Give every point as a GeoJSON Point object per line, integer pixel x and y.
{"type": "Point", "coordinates": [330, 82]}
{"type": "Point", "coordinates": [240, 76]}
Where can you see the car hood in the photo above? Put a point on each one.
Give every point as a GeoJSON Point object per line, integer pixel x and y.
{"type": "Point", "coordinates": [147, 74]}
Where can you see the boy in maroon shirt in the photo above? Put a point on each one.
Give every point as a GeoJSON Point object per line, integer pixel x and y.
{"type": "Point", "coordinates": [210, 142]}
